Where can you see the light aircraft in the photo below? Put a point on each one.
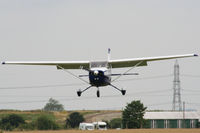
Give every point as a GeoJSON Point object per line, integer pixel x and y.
{"type": "Point", "coordinates": [100, 71]}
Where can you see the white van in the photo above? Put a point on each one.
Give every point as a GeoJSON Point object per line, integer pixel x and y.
{"type": "Point", "coordinates": [86, 126]}
{"type": "Point", "coordinates": [100, 125]}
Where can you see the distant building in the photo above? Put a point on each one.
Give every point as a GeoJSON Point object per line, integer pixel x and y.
{"type": "Point", "coordinates": [172, 119]}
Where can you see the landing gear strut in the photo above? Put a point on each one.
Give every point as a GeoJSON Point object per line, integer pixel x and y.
{"type": "Point", "coordinates": [122, 91]}
{"type": "Point", "coordinates": [79, 92]}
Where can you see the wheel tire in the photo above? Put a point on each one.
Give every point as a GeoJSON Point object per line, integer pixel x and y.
{"type": "Point", "coordinates": [123, 92]}
{"type": "Point", "coordinates": [79, 93]}
{"type": "Point", "coordinates": [98, 93]}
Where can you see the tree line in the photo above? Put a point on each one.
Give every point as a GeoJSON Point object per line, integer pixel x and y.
{"type": "Point", "coordinates": [43, 122]}
{"type": "Point", "coordinates": [132, 117]}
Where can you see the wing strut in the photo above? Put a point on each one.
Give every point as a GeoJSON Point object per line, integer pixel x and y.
{"type": "Point", "coordinates": [72, 74]}
{"type": "Point", "coordinates": [127, 71]}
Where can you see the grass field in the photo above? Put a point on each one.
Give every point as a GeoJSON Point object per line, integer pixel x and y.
{"type": "Point", "coordinates": [89, 115]}
{"type": "Point", "coordinates": [118, 131]}
{"type": "Point", "coordinates": [60, 117]}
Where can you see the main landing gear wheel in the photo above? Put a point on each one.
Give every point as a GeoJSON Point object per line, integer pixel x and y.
{"type": "Point", "coordinates": [79, 93]}
{"type": "Point", "coordinates": [123, 92]}
{"type": "Point", "coordinates": [98, 93]}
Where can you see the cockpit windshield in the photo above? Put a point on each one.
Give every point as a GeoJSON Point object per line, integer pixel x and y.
{"type": "Point", "coordinates": [98, 64]}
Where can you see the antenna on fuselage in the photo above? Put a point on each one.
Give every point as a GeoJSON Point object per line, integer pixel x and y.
{"type": "Point", "coordinates": [109, 50]}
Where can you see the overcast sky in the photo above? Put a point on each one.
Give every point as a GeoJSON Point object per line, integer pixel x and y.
{"type": "Point", "coordinates": [38, 30]}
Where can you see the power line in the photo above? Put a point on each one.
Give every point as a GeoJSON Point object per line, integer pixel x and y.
{"type": "Point", "coordinates": [79, 84]}
{"type": "Point", "coordinates": [14, 96]}
{"type": "Point", "coordinates": [191, 90]}
{"type": "Point", "coordinates": [41, 86]}
{"type": "Point", "coordinates": [191, 103]}
{"type": "Point", "coordinates": [153, 91]}
{"type": "Point", "coordinates": [191, 94]}
{"type": "Point", "coordinates": [190, 75]}
{"type": "Point", "coordinates": [167, 103]}
{"type": "Point", "coordinates": [146, 78]}
{"type": "Point", "coordinates": [84, 98]}
{"type": "Point", "coordinates": [133, 93]}
{"type": "Point", "coordinates": [17, 102]}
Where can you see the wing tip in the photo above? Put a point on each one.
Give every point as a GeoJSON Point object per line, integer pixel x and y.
{"type": "Point", "coordinates": [3, 63]}
{"type": "Point", "coordinates": [196, 55]}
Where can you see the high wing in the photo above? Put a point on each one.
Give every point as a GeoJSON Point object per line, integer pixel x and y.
{"type": "Point", "coordinates": [143, 61]}
{"type": "Point", "coordinates": [59, 64]}
{"type": "Point", "coordinates": [85, 64]}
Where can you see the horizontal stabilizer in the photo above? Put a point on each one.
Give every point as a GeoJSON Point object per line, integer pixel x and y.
{"type": "Point", "coordinates": [125, 74]}
{"type": "Point", "coordinates": [83, 75]}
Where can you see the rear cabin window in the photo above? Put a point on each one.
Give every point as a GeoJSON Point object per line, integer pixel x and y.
{"type": "Point", "coordinates": [98, 64]}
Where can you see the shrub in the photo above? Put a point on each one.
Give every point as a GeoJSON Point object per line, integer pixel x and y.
{"type": "Point", "coordinates": [45, 123]}
{"type": "Point", "coordinates": [116, 123]}
{"type": "Point", "coordinates": [74, 120]}
{"type": "Point", "coordinates": [11, 121]}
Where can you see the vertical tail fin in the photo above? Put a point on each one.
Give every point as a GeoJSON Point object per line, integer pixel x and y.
{"type": "Point", "coordinates": [109, 66]}
{"type": "Point", "coordinates": [109, 50]}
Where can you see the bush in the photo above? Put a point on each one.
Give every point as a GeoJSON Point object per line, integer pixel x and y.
{"type": "Point", "coordinates": [11, 121]}
{"type": "Point", "coordinates": [74, 120]}
{"type": "Point", "coordinates": [45, 123]}
{"type": "Point", "coordinates": [7, 126]}
{"type": "Point", "coordinates": [28, 126]}
{"type": "Point", "coordinates": [116, 123]}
